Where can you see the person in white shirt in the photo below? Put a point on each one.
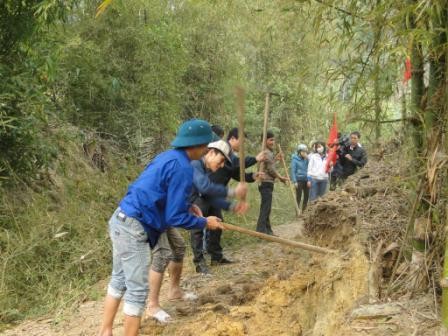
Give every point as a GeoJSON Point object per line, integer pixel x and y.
{"type": "Point", "coordinates": [317, 177]}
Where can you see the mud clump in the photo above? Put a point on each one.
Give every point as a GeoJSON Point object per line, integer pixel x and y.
{"type": "Point", "coordinates": [225, 289]}
{"type": "Point", "coordinates": [207, 298]}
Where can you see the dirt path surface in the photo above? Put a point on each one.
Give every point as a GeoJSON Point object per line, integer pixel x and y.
{"type": "Point", "coordinates": [272, 290]}
{"type": "Point", "coordinates": [230, 286]}
{"type": "Point", "coordinates": [276, 290]}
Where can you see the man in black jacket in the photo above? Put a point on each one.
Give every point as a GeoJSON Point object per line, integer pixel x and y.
{"type": "Point", "coordinates": [352, 156]}
{"type": "Point", "coordinates": [231, 170]}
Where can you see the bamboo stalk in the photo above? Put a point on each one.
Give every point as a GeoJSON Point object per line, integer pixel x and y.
{"type": "Point", "coordinates": [291, 187]}
{"type": "Point", "coordinates": [444, 284]}
{"type": "Point", "coordinates": [279, 240]}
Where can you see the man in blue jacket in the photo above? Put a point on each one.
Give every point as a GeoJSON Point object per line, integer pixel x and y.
{"type": "Point", "coordinates": [170, 250]}
{"type": "Point", "coordinates": [299, 172]}
{"type": "Point", "coordinates": [156, 201]}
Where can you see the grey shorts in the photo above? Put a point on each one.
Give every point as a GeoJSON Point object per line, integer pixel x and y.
{"type": "Point", "coordinates": [169, 247]}
{"type": "Point", "coordinates": [131, 257]}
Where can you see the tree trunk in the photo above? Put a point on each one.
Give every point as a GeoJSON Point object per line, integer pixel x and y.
{"type": "Point", "coordinates": [417, 88]}
{"type": "Point", "coordinates": [444, 283]}
{"type": "Point", "coordinates": [404, 112]}
{"type": "Point", "coordinates": [417, 92]}
{"type": "Point", "coordinates": [377, 99]}
{"type": "Point", "coordinates": [377, 79]}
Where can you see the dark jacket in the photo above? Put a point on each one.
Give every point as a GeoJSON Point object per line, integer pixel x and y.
{"type": "Point", "coordinates": [205, 192]}
{"type": "Point", "coordinates": [231, 170]}
{"type": "Point", "coordinates": [299, 168]}
{"type": "Point", "coordinates": [359, 157]}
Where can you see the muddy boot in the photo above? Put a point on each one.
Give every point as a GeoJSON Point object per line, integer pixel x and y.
{"type": "Point", "coordinates": [222, 261]}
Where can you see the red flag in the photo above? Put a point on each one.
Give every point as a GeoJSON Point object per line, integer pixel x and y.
{"type": "Point", "coordinates": [407, 70]}
{"type": "Point", "coordinates": [332, 144]}
{"type": "Point", "coordinates": [333, 136]}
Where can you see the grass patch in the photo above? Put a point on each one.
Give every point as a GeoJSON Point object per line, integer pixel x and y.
{"type": "Point", "coordinates": [53, 241]}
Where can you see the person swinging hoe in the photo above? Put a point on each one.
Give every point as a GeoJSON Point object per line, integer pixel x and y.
{"type": "Point", "coordinates": [156, 201]}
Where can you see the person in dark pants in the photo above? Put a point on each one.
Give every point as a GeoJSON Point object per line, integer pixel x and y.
{"type": "Point", "coordinates": [206, 194]}
{"type": "Point", "coordinates": [231, 170]}
{"type": "Point", "coordinates": [266, 187]}
{"type": "Point", "coordinates": [299, 170]}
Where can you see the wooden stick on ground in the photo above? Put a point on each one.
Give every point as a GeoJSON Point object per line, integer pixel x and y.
{"type": "Point", "coordinates": [290, 184]}
{"type": "Point", "coordinates": [275, 239]}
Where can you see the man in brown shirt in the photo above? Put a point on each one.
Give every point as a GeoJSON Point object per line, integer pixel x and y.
{"type": "Point", "coordinates": [266, 186]}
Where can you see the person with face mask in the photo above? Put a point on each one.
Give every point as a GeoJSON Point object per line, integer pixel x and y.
{"type": "Point", "coordinates": [317, 176]}
{"type": "Point", "coordinates": [299, 172]}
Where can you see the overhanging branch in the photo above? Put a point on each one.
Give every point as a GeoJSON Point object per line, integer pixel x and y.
{"type": "Point", "coordinates": [385, 121]}
{"type": "Point", "coordinates": [342, 10]}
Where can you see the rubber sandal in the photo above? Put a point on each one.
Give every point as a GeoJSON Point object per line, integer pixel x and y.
{"type": "Point", "coordinates": [189, 296]}
{"type": "Point", "coordinates": [162, 317]}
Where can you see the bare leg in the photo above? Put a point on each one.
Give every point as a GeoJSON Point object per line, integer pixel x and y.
{"type": "Point", "coordinates": [175, 269]}
{"type": "Point", "coordinates": [131, 325]}
{"type": "Point", "coordinates": [110, 310]}
{"type": "Point", "coordinates": [155, 283]}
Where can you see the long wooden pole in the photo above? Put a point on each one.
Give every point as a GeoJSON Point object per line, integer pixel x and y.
{"type": "Point", "coordinates": [279, 240]}
{"type": "Point", "coordinates": [265, 127]}
{"type": "Point", "coordinates": [241, 136]}
{"type": "Point", "coordinates": [291, 187]}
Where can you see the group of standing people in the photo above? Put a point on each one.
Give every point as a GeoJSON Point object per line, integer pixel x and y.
{"type": "Point", "coordinates": [188, 187]}
{"type": "Point", "coordinates": [311, 173]}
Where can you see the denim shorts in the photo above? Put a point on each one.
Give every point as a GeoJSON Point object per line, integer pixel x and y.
{"type": "Point", "coordinates": [131, 258]}
{"type": "Point", "coordinates": [169, 247]}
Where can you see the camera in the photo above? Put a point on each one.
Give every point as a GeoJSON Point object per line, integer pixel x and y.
{"type": "Point", "coordinates": [344, 141]}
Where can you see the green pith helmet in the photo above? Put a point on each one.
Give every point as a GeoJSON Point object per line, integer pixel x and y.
{"type": "Point", "coordinates": [193, 132]}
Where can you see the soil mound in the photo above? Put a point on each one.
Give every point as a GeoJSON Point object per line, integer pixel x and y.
{"type": "Point", "coordinates": [338, 294]}
{"type": "Point", "coordinates": [370, 205]}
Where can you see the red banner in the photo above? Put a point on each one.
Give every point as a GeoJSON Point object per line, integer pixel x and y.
{"type": "Point", "coordinates": [407, 70]}
{"type": "Point", "coordinates": [332, 144]}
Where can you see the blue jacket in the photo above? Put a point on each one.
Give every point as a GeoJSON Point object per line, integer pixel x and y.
{"type": "Point", "coordinates": [299, 168]}
{"type": "Point", "coordinates": [205, 192]}
{"type": "Point", "coordinates": [158, 198]}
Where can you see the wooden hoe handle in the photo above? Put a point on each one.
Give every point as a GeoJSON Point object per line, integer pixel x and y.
{"type": "Point", "coordinates": [279, 240]}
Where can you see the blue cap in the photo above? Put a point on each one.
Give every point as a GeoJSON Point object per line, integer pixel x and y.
{"type": "Point", "coordinates": [193, 132]}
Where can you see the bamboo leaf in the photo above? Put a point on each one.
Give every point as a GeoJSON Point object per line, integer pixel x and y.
{"type": "Point", "coordinates": [102, 7]}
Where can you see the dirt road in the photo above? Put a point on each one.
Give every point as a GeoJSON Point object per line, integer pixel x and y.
{"type": "Point", "coordinates": [276, 290]}
{"type": "Point", "coordinates": [230, 286]}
